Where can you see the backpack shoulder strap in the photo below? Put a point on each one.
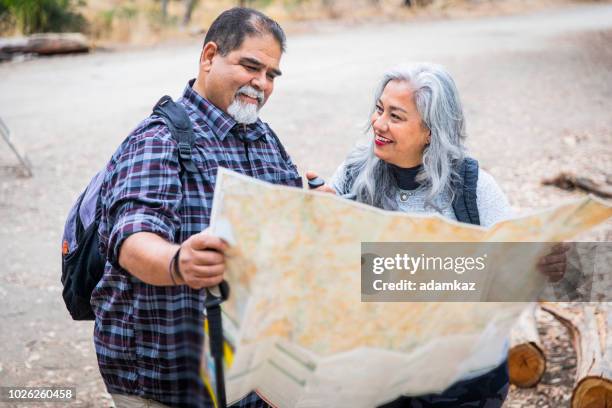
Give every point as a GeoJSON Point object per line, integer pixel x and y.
{"type": "Point", "coordinates": [465, 202]}
{"type": "Point", "coordinates": [180, 126]}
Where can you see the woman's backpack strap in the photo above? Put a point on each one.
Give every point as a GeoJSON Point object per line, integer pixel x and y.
{"type": "Point", "coordinates": [465, 202]}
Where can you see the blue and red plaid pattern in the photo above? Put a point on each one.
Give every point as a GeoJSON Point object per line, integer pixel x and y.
{"type": "Point", "coordinates": [148, 338]}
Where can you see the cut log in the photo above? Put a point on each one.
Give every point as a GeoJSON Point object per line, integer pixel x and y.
{"type": "Point", "coordinates": [13, 45]}
{"type": "Point", "coordinates": [590, 326]}
{"type": "Point", "coordinates": [46, 44]}
{"type": "Point", "coordinates": [526, 360]}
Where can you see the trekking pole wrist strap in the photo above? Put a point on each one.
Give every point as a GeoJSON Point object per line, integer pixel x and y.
{"type": "Point", "coordinates": [173, 268]}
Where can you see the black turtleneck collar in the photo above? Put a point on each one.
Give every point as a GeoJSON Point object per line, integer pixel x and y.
{"type": "Point", "coordinates": [406, 177]}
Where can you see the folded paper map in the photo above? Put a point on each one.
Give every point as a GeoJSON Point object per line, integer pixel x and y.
{"type": "Point", "coordinates": [302, 334]}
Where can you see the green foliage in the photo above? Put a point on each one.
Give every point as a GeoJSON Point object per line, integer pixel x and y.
{"type": "Point", "coordinates": [5, 17]}
{"type": "Point", "coordinates": [127, 11]}
{"type": "Point", "coordinates": [36, 16]}
{"type": "Point", "coordinates": [104, 22]}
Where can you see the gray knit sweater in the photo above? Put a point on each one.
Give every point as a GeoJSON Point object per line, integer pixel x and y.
{"type": "Point", "coordinates": [492, 204]}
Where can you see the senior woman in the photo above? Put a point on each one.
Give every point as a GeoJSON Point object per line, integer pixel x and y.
{"type": "Point", "coordinates": [416, 162]}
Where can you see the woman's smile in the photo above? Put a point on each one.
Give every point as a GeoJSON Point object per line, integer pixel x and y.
{"type": "Point", "coordinates": [381, 140]}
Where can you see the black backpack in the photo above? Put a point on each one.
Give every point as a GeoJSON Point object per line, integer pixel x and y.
{"type": "Point", "coordinates": [82, 262]}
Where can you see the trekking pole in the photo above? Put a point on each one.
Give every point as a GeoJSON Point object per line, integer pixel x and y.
{"type": "Point", "coordinates": [215, 332]}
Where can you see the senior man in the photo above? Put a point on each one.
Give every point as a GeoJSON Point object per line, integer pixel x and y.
{"type": "Point", "coordinates": [148, 329]}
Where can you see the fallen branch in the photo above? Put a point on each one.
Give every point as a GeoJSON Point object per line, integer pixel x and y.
{"type": "Point", "coordinates": [568, 181]}
{"type": "Point", "coordinates": [5, 134]}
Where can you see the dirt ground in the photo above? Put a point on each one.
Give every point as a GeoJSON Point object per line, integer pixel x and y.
{"type": "Point", "coordinates": [537, 91]}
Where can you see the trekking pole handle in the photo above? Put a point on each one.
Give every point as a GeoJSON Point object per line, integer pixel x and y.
{"type": "Point", "coordinates": [217, 294]}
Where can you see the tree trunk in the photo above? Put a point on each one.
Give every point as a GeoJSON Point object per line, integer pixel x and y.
{"type": "Point", "coordinates": [590, 327]}
{"type": "Point", "coordinates": [189, 6]}
{"type": "Point", "coordinates": [164, 9]}
{"type": "Point", "coordinates": [526, 360]}
{"type": "Point", "coordinates": [410, 3]}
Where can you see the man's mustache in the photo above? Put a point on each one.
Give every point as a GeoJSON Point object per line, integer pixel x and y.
{"type": "Point", "coordinates": [251, 92]}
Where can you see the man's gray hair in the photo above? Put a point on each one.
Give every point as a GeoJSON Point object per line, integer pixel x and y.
{"type": "Point", "coordinates": [438, 104]}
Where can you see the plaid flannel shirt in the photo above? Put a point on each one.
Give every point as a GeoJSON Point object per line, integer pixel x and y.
{"type": "Point", "coordinates": [149, 339]}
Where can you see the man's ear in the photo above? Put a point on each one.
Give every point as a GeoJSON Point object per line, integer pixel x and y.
{"type": "Point", "coordinates": [209, 51]}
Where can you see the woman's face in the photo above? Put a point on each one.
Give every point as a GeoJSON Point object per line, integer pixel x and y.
{"type": "Point", "coordinates": [399, 134]}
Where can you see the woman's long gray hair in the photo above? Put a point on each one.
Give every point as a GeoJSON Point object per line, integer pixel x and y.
{"type": "Point", "coordinates": [438, 104]}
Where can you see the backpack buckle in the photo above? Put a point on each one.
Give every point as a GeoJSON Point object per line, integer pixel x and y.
{"type": "Point", "coordinates": [184, 150]}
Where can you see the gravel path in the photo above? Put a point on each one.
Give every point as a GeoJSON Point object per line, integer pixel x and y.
{"type": "Point", "coordinates": [537, 91]}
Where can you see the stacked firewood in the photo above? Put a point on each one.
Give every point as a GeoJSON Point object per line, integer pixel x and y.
{"type": "Point", "coordinates": [581, 306]}
{"type": "Point", "coordinates": [590, 328]}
